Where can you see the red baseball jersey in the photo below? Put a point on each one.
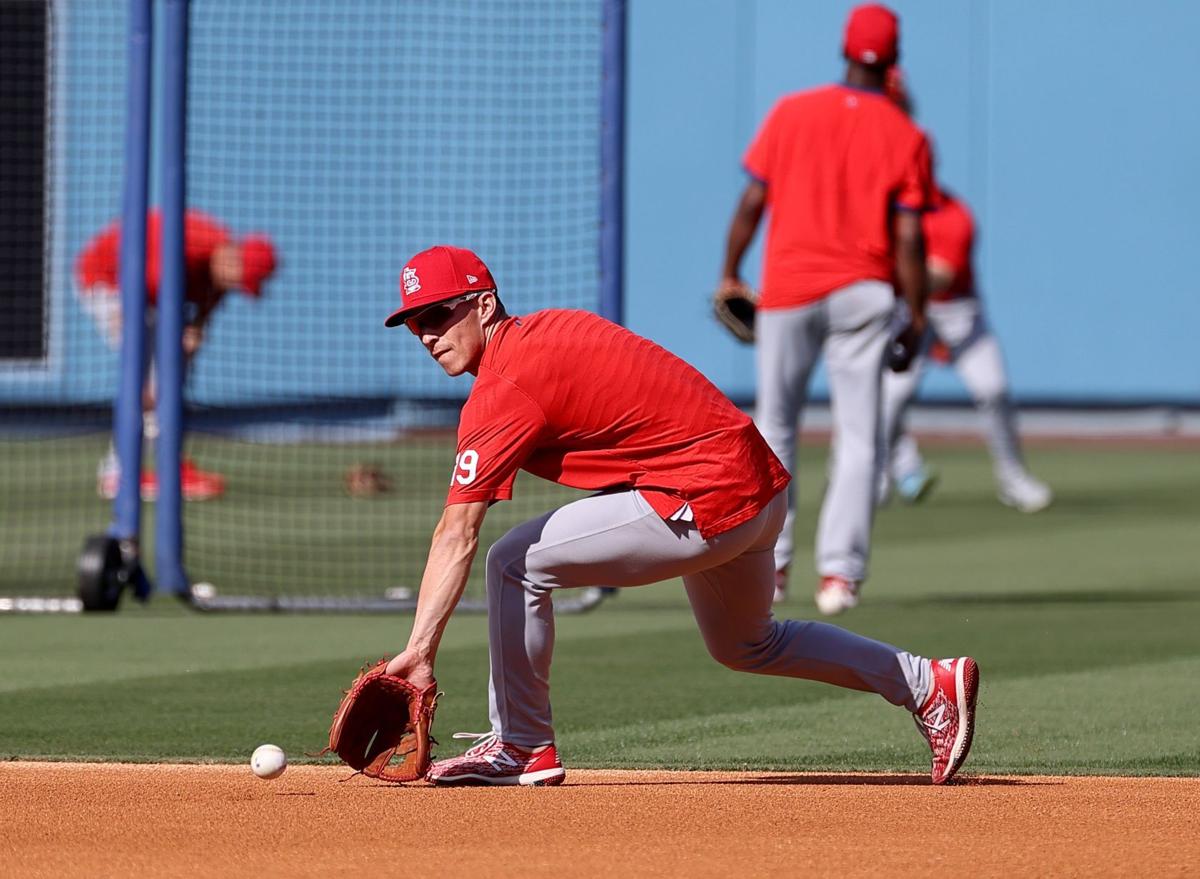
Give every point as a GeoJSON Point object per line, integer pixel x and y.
{"type": "Point", "coordinates": [98, 264]}
{"type": "Point", "coordinates": [583, 402]}
{"type": "Point", "coordinates": [836, 162]}
{"type": "Point", "coordinates": [950, 238]}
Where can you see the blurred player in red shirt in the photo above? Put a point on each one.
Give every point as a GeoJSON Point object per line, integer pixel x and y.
{"type": "Point", "coordinates": [215, 263]}
{"type": "Point", "coordinates": [959, 335]}
{"type": "Point", "coordinates": [684, 487]}
{"type": "Point", "coordinates": [844, 176]}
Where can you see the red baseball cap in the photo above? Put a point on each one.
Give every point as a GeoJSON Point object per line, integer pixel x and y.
{"type": "Point", "coordinates": [442, 272]}
{"type": "Point", "coordinates": [258, 262]}
{"type": "Point", "coordinates": [872, 35]}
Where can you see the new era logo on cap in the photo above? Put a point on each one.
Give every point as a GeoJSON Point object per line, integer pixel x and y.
{"type": "Point", "coordinates": [437, 274]}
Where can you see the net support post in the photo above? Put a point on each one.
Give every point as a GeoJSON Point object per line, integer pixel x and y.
{"type": "Point", "coordinates": [612, 163]}
{"type": "Point", "coordinates": [127, 408]}
{"type": "Point", "coordinates": [168, 542]}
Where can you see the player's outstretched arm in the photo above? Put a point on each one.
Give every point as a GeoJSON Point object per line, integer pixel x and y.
{"type": "Point", "coordinates": [741, 230]}
{"type": "Point", "coordinates": [455, 542]}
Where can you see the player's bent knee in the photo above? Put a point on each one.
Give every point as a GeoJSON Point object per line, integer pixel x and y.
{"type": "Point", "coordinates": [502, 560]}
{"type": "Point", "coordinates": [749, 656]}
{"type": "Point", "coordinates": [506, 564]}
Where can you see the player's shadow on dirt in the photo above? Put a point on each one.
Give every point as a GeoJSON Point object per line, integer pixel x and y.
{"type": "Point", "coordinates": [865, 779]}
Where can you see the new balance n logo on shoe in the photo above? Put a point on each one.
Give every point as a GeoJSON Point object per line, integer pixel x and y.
{"type": "Point", "coordinates": [501, 758]}
{"type": "Point", "coordinates": [937, 720]}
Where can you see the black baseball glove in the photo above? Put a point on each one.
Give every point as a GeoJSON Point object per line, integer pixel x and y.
{"type": "Point", "coordinates": [903, 348]}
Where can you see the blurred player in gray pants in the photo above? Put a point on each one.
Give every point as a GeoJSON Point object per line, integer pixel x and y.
{"type": "Point", "coordinates": [959, 335]}
{"type": "Point", "coordinates": [845, 176]}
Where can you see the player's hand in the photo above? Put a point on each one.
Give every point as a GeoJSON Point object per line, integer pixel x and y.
{"type": "Point", "coordinates": [415, 669]}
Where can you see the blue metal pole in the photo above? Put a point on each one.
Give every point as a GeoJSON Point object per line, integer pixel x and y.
{"type": "Point", "coordinates": [612, 163]}
{"type": "Point", "coordinates": [168, 542]}
{"type": "Point", "coordinates": [127, 408]}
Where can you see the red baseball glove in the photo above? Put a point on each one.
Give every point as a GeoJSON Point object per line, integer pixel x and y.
{"type": "Point", "coordinates": [382, 726]}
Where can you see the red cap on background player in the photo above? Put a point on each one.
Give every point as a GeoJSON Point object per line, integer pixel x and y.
{"type": "Point", "coordinates": [872, 35]}
{"type": "Point", "coordinates": [435, 275]}
{"type": "Point", "coordinates": [258, 262]}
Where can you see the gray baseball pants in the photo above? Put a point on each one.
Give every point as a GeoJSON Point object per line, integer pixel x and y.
{"type": "Point", "coordinates": [851, 326]}
{"type": "Point", "coordinates": [975, 355]}
{"type": "Point", "coordinates": [618, 540]}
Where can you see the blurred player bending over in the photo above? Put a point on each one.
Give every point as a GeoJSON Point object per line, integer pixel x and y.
{"type": "Point", "coordinates": [844, 176]}
{"type": "Point", "coordinates": [686, 487]}
{"type": "Point", "coordinates": [958, 334]}
{"type": "Point", "coordinates": [215, 264]}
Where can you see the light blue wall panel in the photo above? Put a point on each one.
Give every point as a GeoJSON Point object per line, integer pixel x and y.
{"type": "Point", "coordinates": [1071, 128]}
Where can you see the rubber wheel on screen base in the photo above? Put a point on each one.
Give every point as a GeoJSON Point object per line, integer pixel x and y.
{"type": "Point", "coordinates": [99, 568]}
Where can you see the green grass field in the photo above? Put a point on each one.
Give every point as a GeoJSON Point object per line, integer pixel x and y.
{"type": "Point", "coordinates": [286, 524]}
{"type": "Point", "coordinates": [1084, 619]}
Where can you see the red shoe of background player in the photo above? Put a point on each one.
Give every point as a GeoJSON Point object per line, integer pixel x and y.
{"type": "Point", "coordinates": [196, 484]}
{"type": "Point", "coordinates": [199, 485]}
{"type": "Point", "coordinates": [947, 719]}
{"type": "Point", "coordinates": [836, 595]}
{"type": "Point", "coordinates": [491, 761]}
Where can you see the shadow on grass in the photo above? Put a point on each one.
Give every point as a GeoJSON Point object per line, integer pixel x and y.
{"type": "Point", "coordinates": [1112, 596]}
{"type": "Point", "coordinates": [1006, 599]}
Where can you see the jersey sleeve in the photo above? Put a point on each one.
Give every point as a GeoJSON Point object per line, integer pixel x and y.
{"type": "Point", "coordinates": [915, 192]}
{"type": "Point", "coordinates": [759, 157]}
{"type": "Point", "coordinates": [497, 432]}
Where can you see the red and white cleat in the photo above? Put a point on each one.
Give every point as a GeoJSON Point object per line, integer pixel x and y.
{"type": "Point", "coordinates": [836, 594]}
{"type": "Point", "coordinates": [491, 761]}
{"type": "Point", "coordinates": [947, 719]}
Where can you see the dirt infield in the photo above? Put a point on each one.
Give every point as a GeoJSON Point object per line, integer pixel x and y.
{"type": "Point", "coordinates": [100, 820]}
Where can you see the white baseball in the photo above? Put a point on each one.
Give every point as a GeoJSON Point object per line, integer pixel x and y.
{"type": "Point", "coordinates": [268, 761]}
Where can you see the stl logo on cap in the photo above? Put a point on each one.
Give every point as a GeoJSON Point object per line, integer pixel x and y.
{"type": "Point", "coordinates": [410, 280]}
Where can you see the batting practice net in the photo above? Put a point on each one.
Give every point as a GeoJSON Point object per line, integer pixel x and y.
{"type": "Point", "coordinates": [319, 445]}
